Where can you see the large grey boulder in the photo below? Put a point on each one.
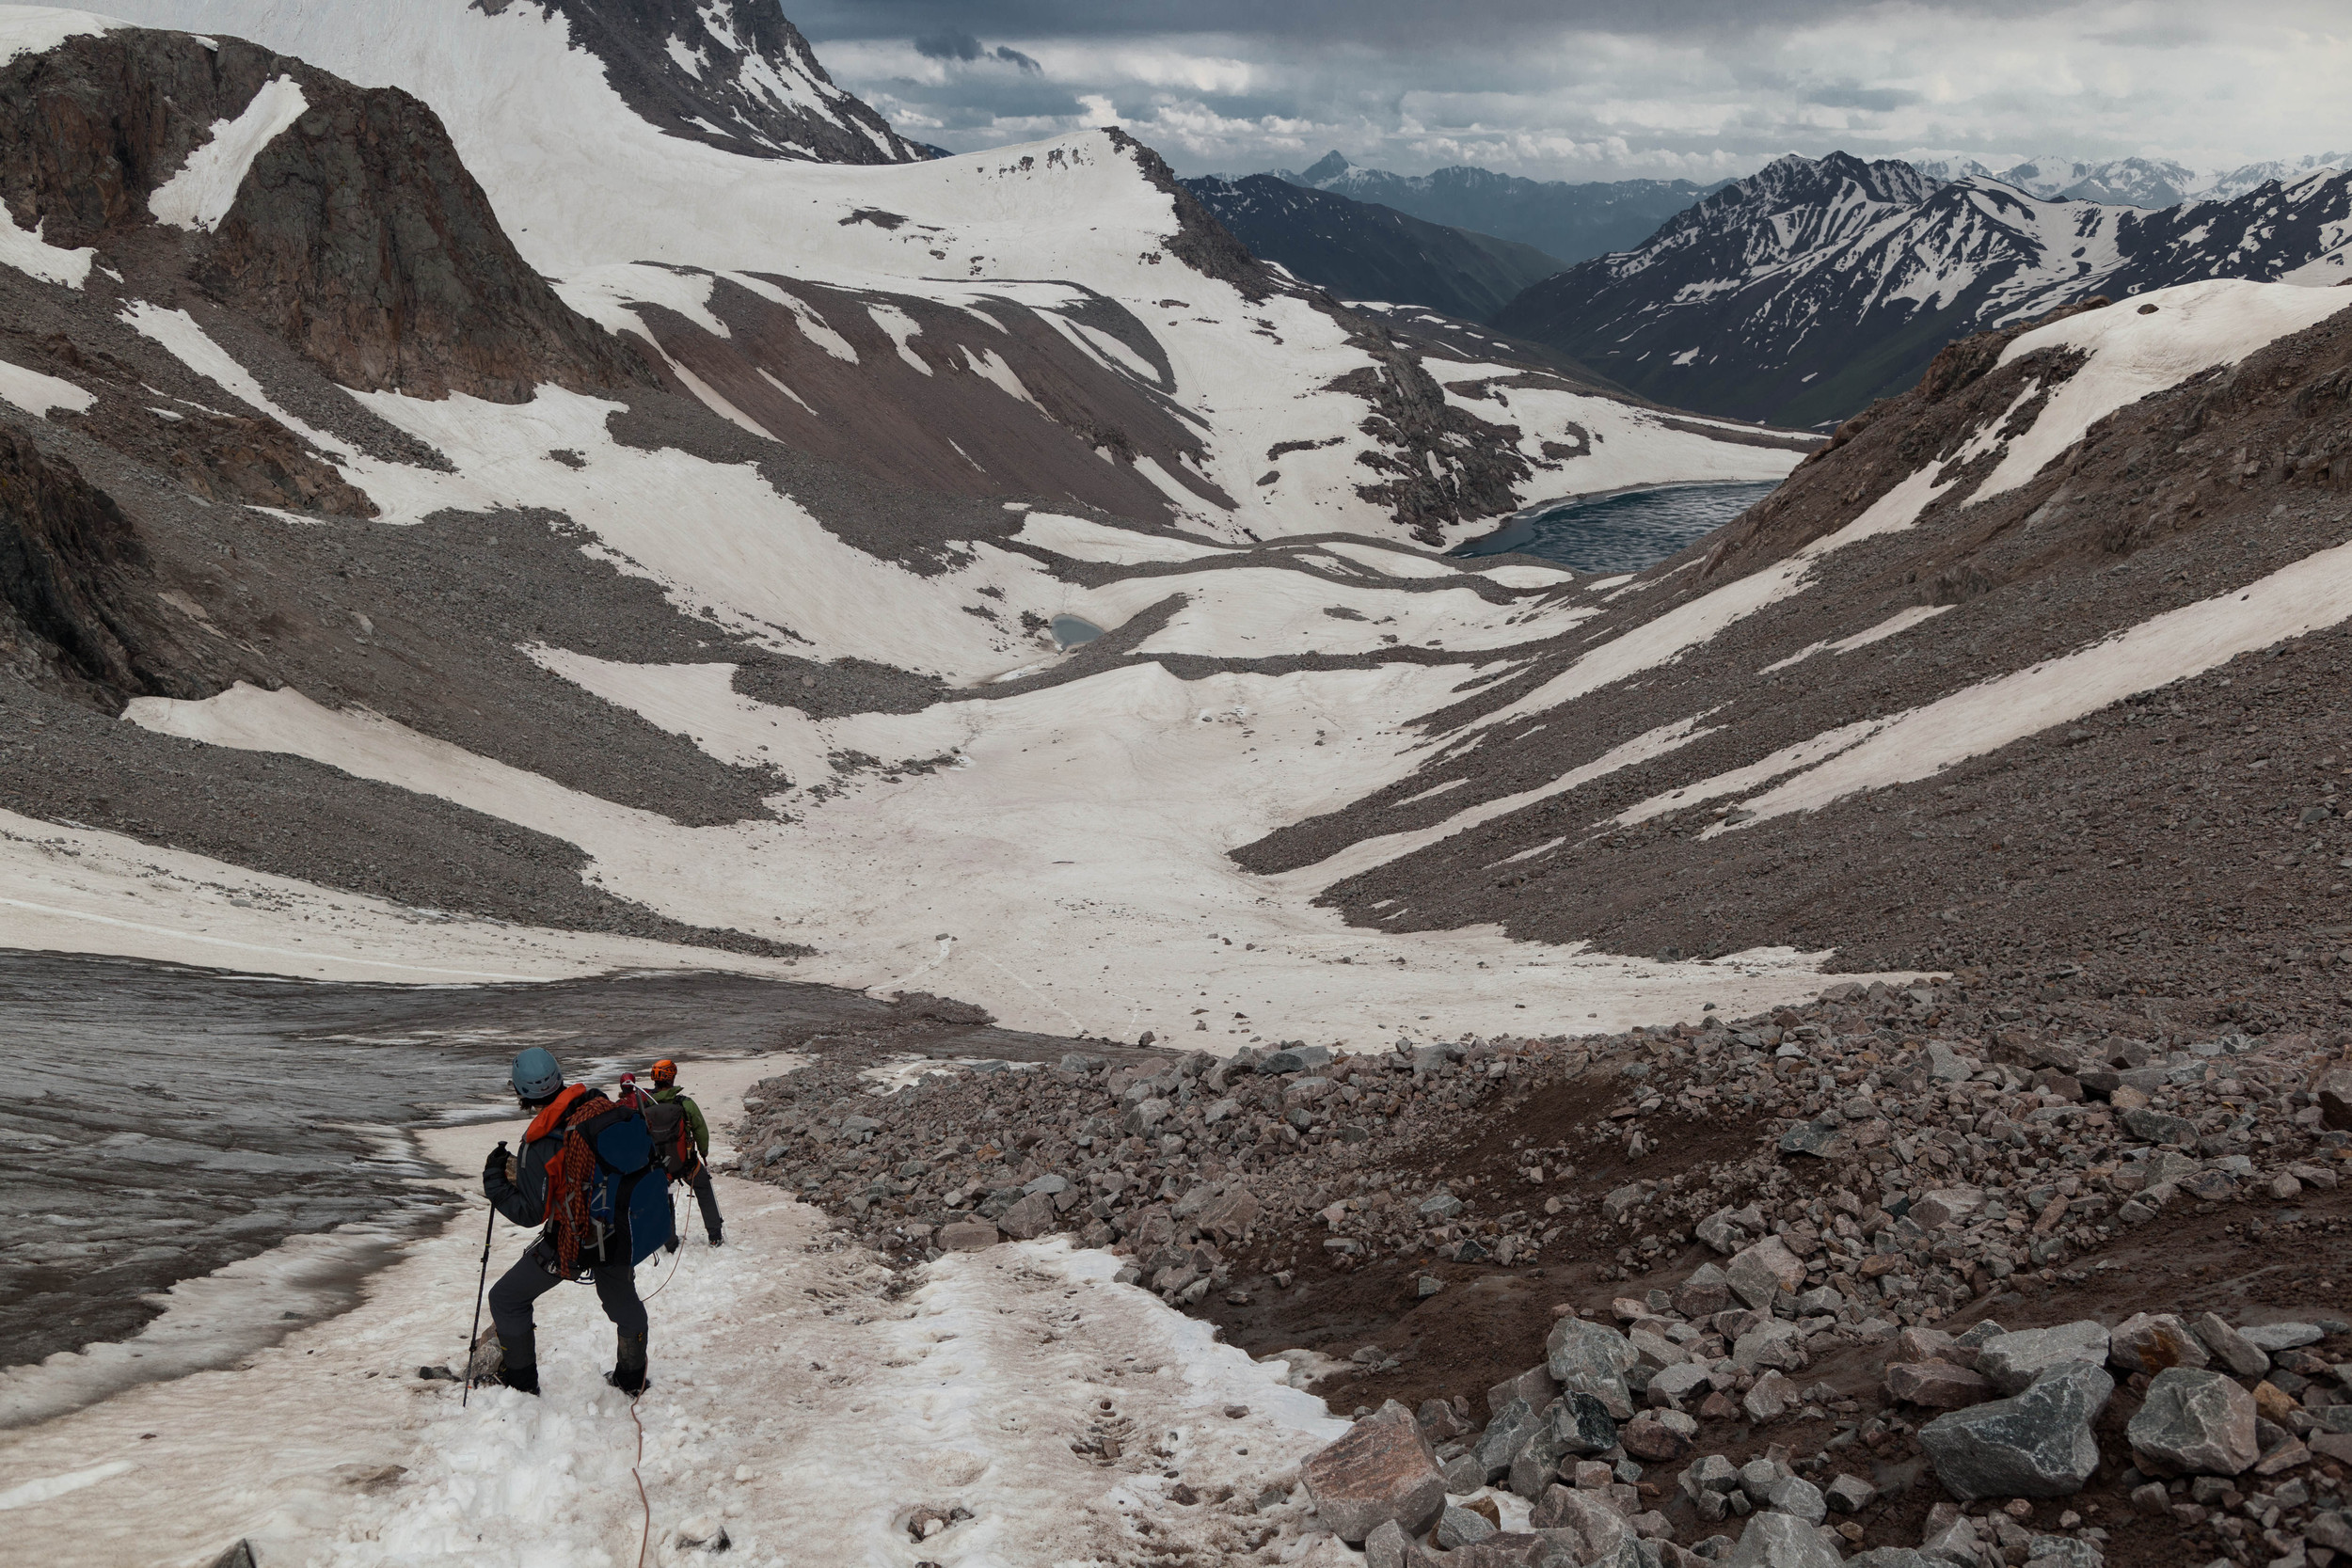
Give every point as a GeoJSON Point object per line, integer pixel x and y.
{"type": "Point", "coordinates": [1591, 1358]}
{"type": "Point", "coordinates": [2037, 1444]}
{"type": "Point", "coordinates": [1382, 1469]}
{"type": "Point", "coordinates": [2011, 1362]}
{"type": "Point", "coordinates": [2273, 1337]}
{"type": "Point", "coordinates": [1782, 1541]}
{"type": "Point", "coordinates": [1896, 1556]}
{"type": "Point", "coordinates": [1033, 1216]}
{"type": "Point", "coordinates": [2194, 1423]}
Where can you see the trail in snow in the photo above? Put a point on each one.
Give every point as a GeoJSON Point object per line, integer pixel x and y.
{"type": "Point", "coordinates": [795, 1400]}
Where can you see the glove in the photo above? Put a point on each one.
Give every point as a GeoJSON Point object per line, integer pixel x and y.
{"type": "Point", "coordinates": [496, 1163]}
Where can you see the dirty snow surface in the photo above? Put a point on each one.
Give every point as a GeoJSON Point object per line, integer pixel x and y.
{"type": "Point", "coordinates": [804, 1399]}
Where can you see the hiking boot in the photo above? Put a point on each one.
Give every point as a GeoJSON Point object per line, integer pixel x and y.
{"type": "Point", "coordinates": [715, 1241]}
{"type": "Point", "coordinates": [628, 1364]}
{"type": "Point", "coordinates": [523, 1379]}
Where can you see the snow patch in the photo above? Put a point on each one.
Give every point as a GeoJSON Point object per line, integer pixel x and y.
{"type": "Point", "coordinates": [901, 330]}
{"type": "Point", "coordinates": [1902, 621]}
{"type": "Point", "coordinates": [200, 195]}
{"type": "Point", "coordinates": [27, 252]}
{"type": "Point", "coordinates": [37, 394]}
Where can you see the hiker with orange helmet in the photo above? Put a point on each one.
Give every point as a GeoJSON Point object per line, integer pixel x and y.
{"type": "Point", "coordinates": [666, 1092]}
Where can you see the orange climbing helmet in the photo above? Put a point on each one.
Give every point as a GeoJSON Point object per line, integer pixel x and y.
{"type": "Point", "coordinates": [664, 1072]}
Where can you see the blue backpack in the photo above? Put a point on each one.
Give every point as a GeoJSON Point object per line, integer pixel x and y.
{"type": "Point", "coordinates": [632, 1188]}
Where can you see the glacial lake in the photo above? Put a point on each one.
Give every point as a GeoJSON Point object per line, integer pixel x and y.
{"type": "Point", "coordinates": [1627, 532]}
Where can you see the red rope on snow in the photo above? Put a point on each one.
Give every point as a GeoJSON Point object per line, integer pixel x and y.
{"type": "Point", "coordinates": [645, 1534]}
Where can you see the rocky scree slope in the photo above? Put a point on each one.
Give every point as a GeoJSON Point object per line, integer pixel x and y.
{"type": "Point", "coordinates": [1968, 688]}
{"type": "Point", "coordinates": [1817, 1227]}
{"type": "Point", "coordinates": [1813, 287]}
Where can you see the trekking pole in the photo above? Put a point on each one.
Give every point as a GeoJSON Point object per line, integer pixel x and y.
{"type": "Point", "coordinates": [479, 1287]}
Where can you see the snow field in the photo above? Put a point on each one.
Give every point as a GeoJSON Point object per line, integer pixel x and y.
{"type": "Point", "coordinates": [79, 889]}
{"type": "Point", "coordinates": [935, 850]}
{"type": "Point", "coordinates": [794, 1402]}
{"type": "Point", "coordinates": [1068, 866]}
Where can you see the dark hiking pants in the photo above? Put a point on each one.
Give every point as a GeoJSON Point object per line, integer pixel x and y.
{"type": "Point", "coordinates": [708, 1199]}
{"type": "Point", "coordinates": [512, 1297]}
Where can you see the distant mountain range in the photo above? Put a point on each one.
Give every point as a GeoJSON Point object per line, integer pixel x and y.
{"type": "Point", "coordinates": [2153, 183]}
{"type": "Point", "coordinates": [1801, 293]}
{"type": "Point", "coordinates": [1362, 250]}
{"type": "Point", "coordinates": [1571, 222]}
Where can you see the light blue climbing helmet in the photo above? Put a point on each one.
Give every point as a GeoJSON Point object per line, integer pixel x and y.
{"type": "Point", "coordinates": [537, 1074]}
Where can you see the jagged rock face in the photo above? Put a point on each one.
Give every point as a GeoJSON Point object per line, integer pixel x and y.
{"type": "Point", "coordinates": [1804, 292]}
{"type": "Point", "coordinates": [1439, 463]}
{"type": "Point", "coordinates": [67, 554]}
{"type": "Point", "coordinates": [356, 234]}
{"type": "Point", "coordinates": [734, 73]}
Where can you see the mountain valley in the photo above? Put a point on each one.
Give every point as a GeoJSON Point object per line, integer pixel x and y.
{"type": "Point", "coordinates": [1243, 1016]}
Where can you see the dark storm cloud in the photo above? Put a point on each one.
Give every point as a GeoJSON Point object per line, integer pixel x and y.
{"type": "Point", "coordinates": [1847, 95]}
{"type": "Point", "coordinates": [948, 44]}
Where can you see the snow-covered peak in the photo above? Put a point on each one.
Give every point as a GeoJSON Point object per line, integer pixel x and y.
{"type": "Point", "coordinates": [560, 75]}
{"type": "Point", "coordinates": [1945, 168]}
{"type": "Point", "coordinates": [2237, 181]}
{"type": "Point", "coordinates": [734, 73]}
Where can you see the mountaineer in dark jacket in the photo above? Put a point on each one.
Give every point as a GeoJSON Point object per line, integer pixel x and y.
{"type": "Point", "coordinates": [665, 1091]}
{"type": "Point", "coordinates": [540, 1187]}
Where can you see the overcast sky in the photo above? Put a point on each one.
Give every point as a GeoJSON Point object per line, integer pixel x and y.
{"type": "Point", "coordinates": [1601, 90]}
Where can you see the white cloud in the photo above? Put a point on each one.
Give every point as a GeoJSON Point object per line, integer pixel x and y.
{"type": "Point", "coordinates": [1611, 88]}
